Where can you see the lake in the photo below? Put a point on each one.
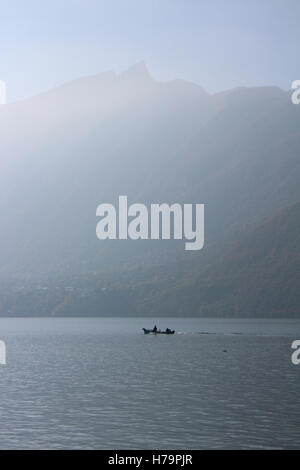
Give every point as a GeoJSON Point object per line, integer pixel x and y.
{"type": "Point", "coordinates": [99, 383]}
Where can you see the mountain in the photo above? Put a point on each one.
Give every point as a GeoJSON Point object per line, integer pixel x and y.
{"type": "Point", "coordinates": [64, 152]}
{"type": "Point", "coordinates": [258, 276]}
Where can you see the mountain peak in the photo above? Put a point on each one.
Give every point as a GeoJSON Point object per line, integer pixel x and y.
{"type": "Point", "coordinates": [137, 71]}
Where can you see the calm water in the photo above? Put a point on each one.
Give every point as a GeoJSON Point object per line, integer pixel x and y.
{"type": "Point", "coordinates": [100, 383]}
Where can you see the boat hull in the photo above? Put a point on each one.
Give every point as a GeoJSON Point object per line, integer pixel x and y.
{"type": "Point", "coordinates": [158, 332]}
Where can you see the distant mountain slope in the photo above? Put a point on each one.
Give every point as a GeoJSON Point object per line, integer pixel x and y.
{"type": "Point", "coordinates": [66, 151]}
{"type": "Point", "coordinates": [258, 277]}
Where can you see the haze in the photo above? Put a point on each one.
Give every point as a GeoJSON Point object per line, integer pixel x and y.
{"type": "Point", "coordinates": [217, 44]}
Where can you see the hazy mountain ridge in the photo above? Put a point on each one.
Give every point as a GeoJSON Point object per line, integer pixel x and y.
{"type": "Point", "coordinates": [258, 276]}
{"type": "Point", "coordinates": [66, 151]}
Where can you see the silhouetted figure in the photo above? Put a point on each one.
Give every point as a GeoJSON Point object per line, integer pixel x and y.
{"type": "Point", "coordinates": [155, 329]}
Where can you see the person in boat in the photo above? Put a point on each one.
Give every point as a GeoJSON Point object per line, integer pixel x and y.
{"type": "Point", "coordinates": [155, 329]}
{"type": "Point", "coordinates": [168, 330]}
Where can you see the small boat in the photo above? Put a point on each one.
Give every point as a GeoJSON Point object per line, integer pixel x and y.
{"type": "Point", "coordinates": [158, 332]}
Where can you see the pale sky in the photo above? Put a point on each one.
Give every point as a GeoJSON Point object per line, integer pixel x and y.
{"type": "Point", "coordinates": [219, 44]}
